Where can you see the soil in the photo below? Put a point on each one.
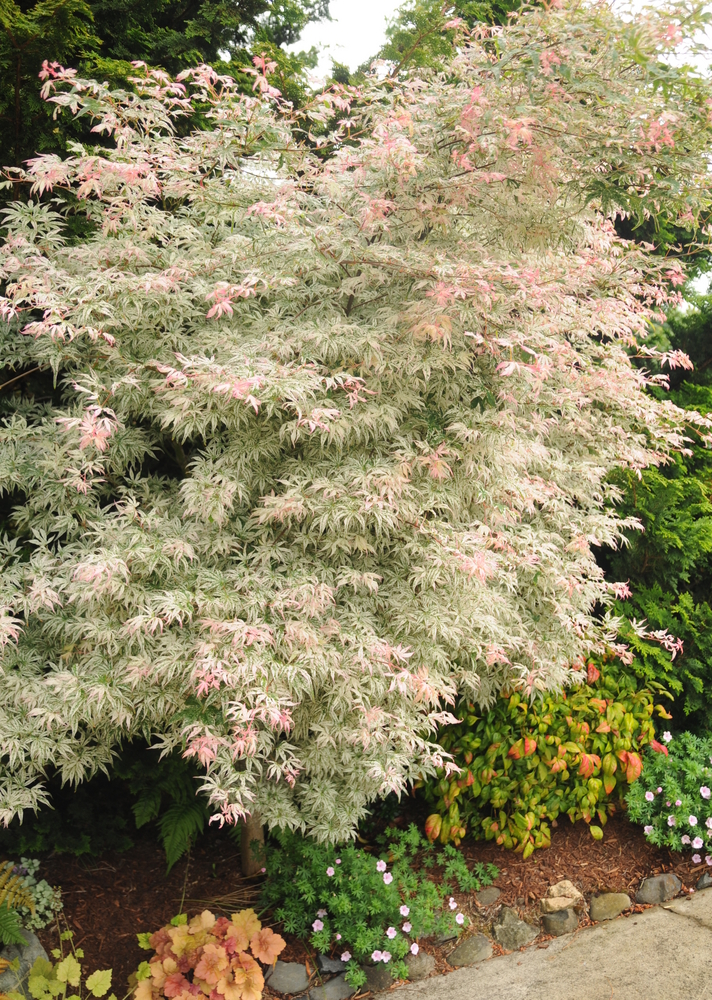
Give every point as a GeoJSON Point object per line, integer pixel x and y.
{"type": "Point", "coordinates": [107, 901]}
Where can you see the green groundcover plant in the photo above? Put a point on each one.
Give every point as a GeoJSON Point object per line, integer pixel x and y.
{"type": "Point", "coordinates": [63, 978]}
{"type": "Point", "coordinates": [367, 906]}
{"type": "Point", "coordinates": [672, 802]}
{"type": "Point", "coordinates": [46, 902]}
{"type": "Point", "coordinates": [522, 763]}
{"type": "Point", "coordinates": [313, 444]}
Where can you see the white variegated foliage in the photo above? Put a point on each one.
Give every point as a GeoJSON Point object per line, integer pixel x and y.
{"type": "Point", "coordinates": [334, 426]}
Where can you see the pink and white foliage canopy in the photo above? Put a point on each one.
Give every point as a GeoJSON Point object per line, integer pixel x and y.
{"type": "Point", "coordinates": [334, 430]}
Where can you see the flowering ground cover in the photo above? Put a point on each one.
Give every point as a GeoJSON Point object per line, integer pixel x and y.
{"type": "Point", "coordinates": [108, 901]}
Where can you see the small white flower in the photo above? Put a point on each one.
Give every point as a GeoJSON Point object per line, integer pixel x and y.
{"type": "Point", "coordinates": [453, 904]}
{"type": "Point", "coordinates": [346, 956]}
{"type": "Point", "coordinates": [697, 843]}
{"type": "Point", "coordinates": [671, 821]}
{"type": "Point", "coordinates": [406, 927]}
{"type": "Point", "coordinates": [414, 949]}
{"type": "Point", "coordinates": [317, 925]}
{"type": "Point", "coordinates": [391, 933]}
{"type": "Point", "coordinates": [705, 792]}
{"type": "Point", "coordinates": [647, 830]}
{"type": "Point", "coordinates": [708, 822]}
{"type": "Point", "coordinates": [696, 859]}
{"type": "Point", "coordinates": [381, 866]}
{"type": "Point", "coordinates": [692, 820]}
{"type": "Point", "coordinates": [338, 937]}
{"type": "Point", "coordinates": [321, 913]}
{"type": "Point", "coordinates": [404, 910]}
{"type": "Point", "coordinates": [386, 956]}
{"type": "Point", "coordinates": [685, 838]}
{"type": "Point", "coordinates": [387, 878]}
{"type": "Point", "coordinates": [460, 919]}
{"type": "Point", "coordinates": [376, 956]}
{"type": "Point", "coordinates": [667, 736]}
{"type": "Point", "coordinates": [649, 796]}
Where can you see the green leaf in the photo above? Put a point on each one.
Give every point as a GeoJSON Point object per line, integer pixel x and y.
{"type": "Point", "coordinates": [69, 971]}
{"type": "Point", "coordinates": [144, 940]}
{"type": "Point", "coordinates": [99, 982]}
{"type": "Point", "coordinates": [143, 971]}
{"type": "Point", "coordinates": [179, 919]}
{"type": "Point", "coordinates": [178, 826]}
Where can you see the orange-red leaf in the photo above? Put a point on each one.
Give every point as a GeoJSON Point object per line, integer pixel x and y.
{"type": "Point", "coordinates": [267, 946]}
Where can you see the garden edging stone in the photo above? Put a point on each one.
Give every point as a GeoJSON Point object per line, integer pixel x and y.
{"type": "Point", "coordinates": [658, 888]}
{"type": "Point", "coordinates": [288, 977]}
{"type": "Point", "coordinates": [663, 953]}
{"type": "Point", "coordinates": [14, 980]}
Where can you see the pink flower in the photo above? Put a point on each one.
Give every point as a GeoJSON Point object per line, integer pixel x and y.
{"type": "Point", "coordinates": [388, 878]}
{"type": "Point", "coordinates": [647, 830]}
{"type": "Point", "coordinates": [685, 838]}
{"type": "Point", "coordinates": [459, 919]}
{"type": "Point", "coordinates": [414, 949]}
{"type": "Point", "coordinates": [318, 925]}
{"type": "Point", "coordinates": [658, 790]}
{"type": "Point", "coordinates": [452, 904]}
{"type": "Point", "coordinates": [671, 821]}
{"type": "Point", "coordinates": [678, 802]}
{"type": "Point", "coordinates": [381, 866]}
{"type": "Point", "coordinates": [705, 792]}
{"type": "Point", "coordinates": [263, 870]}
{"type": "Point", "coordinates": [697, 843]}
{"type": "Point", "coordinates": [708, 822]}
{"type": "Point", "coordinates": [338, 937]}
{"type": "Point", "coordinates": [649, 796]}
{"type": "Point", "coordinates": [376, 956]}
{"type": "Point", "coordinates": [406, 927]}
{"type": "Point", "coordinates": [391, 933]}
{"type": "Point", "coordinates": [708, 859]}
{"type": "Point", "coordinates": [346, 956]}
{"type": "Point", "coordinates": [404, 910]}
{"type": "Point", "coordinates": [386, 956]}
{"type": "Point", "coordinates": [338, 861]}
{"type": "Point", "coordinates": [330, 871]}
{"type": "Point", "coordinates": [321, 913]}
{"type": "Point", "coordinates": [696, 859]}
{"type": "Point", "coordinates": [667, 736]}
{"type": "Point", "coordinates": [692, 820]}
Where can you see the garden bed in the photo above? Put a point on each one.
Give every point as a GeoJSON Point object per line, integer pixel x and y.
{"type": "Point", "coordinates": [107, 901]}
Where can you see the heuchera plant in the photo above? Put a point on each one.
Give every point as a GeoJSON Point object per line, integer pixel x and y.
{"type": "Point", "coordinates": [672, 802]}
{"type": "Point", "coordinates": [364, 906]}
{"type": "Point", "coordinates": [208, 957]}
{"type": "Point", "coordinates": [64, 978]}
{"type": "Point", "coordinates": [523, 764]}
{"type": "Point", "coordinates": [319, 437]}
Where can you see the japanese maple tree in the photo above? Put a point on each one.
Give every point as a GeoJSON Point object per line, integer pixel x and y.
{"type": "Point", "coordinates": [320, 436]}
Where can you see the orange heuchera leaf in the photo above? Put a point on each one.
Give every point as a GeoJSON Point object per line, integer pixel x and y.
{"type": "Point", "coordinates": [515, 752]}
{"type": "Point", "coordinates": [254, 981]}
{"type": "Point", "coordinates": [660, 747]}
{"type": "Point", "coordinates": [592, 673]}
{"type": "Point", "coordinates": [246, 925]}
{"type": "Point", "coordinates": [529, 746]}
{"type": "Point", "coordinates": [266, 945]}
{"type": "Point", "coordinates": [599, 703]}
{"type": "Point", "coordinates": [603, 727]}
{"type": "Point", "coordinates": [432, 827]}
{"type": "Point", "coordinates": [212, 964]}
{"type": "Point", "coordinates": [634, 768]}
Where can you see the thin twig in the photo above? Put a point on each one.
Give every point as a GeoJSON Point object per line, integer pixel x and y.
{"type": "Point", "coordinates": [18, 377]}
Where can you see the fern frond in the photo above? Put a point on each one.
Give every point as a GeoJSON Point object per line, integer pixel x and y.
{"type": "Point", "coordinates": [178, 826]}
{"type": "Point", "coordinates": [13, 892]}
{"type": "Point", "coordinates": [10, 929]}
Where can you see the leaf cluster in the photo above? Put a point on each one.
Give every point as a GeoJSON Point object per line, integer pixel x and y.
{"type": "Point", "coordinates": [523, 763]}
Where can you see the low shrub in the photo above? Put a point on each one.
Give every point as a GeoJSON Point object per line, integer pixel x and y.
{"type": "Point", "coordinates": [13, 895]}
{"type": "Point", "coordinates": [523, 763]}
{"type": "Point", "coordinates": [47, 901]}
{"type": "Point", "coordinates": [212, 957]}
{"type": "Point", "coordinates": [673, 802]}
{"type": "Point", "coordinates": [367, 906]}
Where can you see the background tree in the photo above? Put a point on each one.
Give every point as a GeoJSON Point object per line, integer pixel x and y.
{"type": "Point", "coordinates": [103, 37]}
{"type": "Point", "coordinates": [316, 445]}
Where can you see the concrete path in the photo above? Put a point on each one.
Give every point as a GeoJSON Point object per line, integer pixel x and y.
{"type": "Point", "coordinates": [664, 953]}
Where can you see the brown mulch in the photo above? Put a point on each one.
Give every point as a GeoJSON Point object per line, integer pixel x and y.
{"type": "Point", "coordinates": [108, 901]}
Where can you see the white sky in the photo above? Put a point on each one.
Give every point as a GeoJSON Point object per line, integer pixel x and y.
{"type": "Point", "coordinates": [355, 32]}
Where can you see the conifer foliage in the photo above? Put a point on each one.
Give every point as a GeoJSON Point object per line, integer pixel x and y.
{"type": "Point", "coordinates": [323, 439]}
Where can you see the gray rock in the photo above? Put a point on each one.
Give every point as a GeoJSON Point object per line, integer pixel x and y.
{"type": "Point", "coordinates": [419, 966]}
{"type": "Point", "coordinates": [472, 950]}
{"type": "Point", "coordinates": [488, 896]}
{"type": "Point", "coordinates": [15, 980]}
{"type": "Point", "coordinates": [445, 936]}
{"type": "Point", "coordinates": [608, 905]}
{"type": "Point", "coordinates": [658, 888]}
{"type": "Point", "coordinates": [378, 977]}
{"type": "Point", "coordinates": [560, 922]}
{"type": "Point", "coordinates": [288, 977]}
{"type": "Point", "coordinates": [326, 964]}
{"type": "Point", "coordinates": [705, 881]}
{"type": "Point", "coordinates": [511, 932]}
{"type": "Point", "coordinates": [335, 989]}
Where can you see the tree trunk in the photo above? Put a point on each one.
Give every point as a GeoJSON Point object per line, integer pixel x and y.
{"type": "Point", "coordinates": [252, 857]}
